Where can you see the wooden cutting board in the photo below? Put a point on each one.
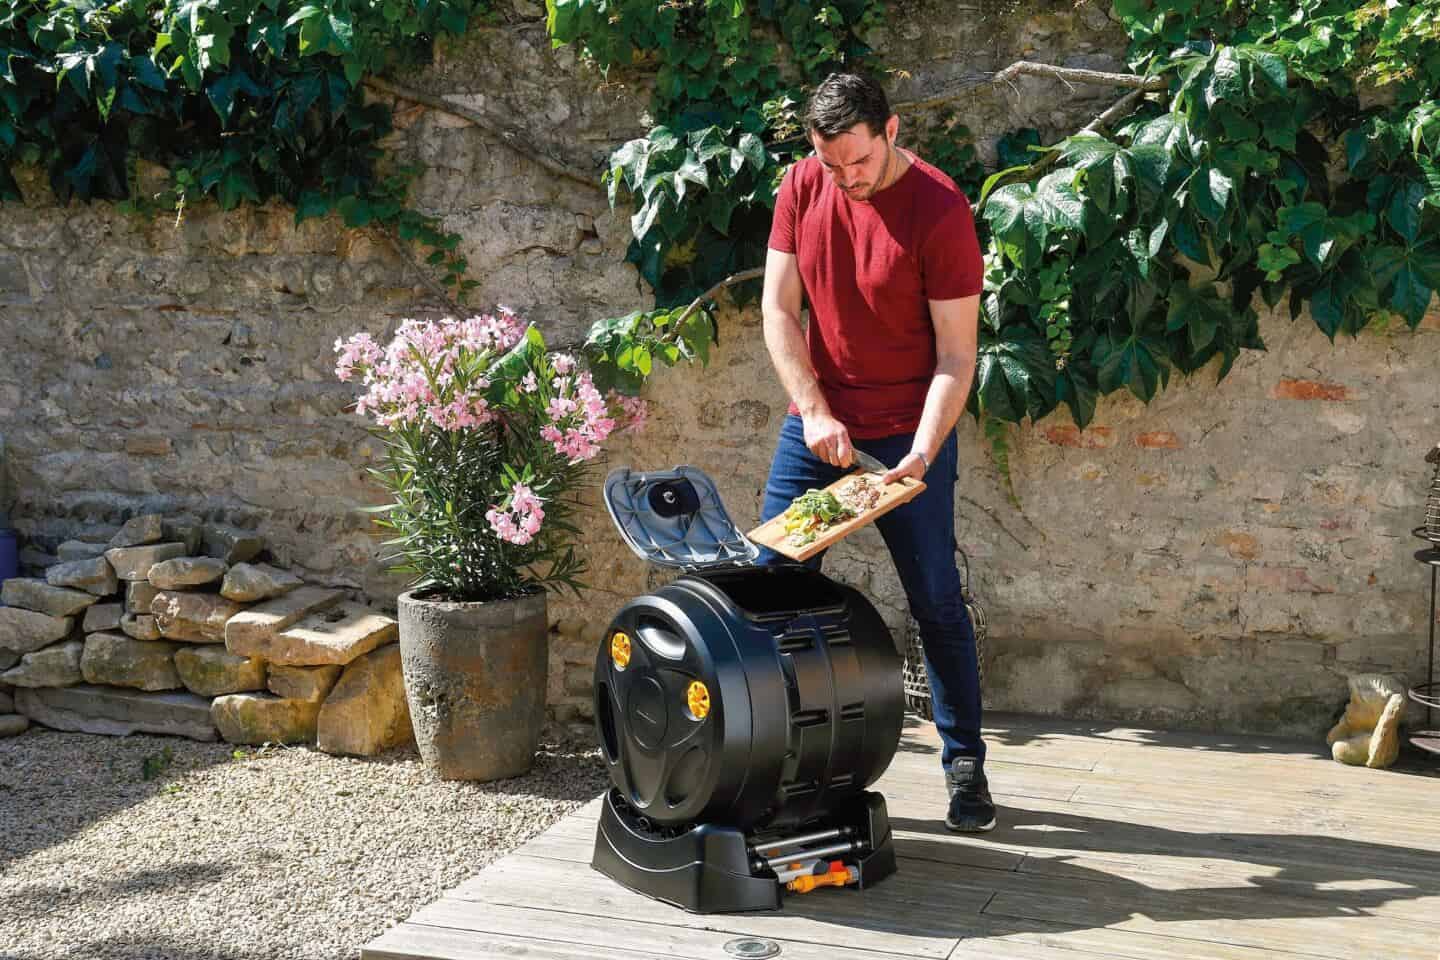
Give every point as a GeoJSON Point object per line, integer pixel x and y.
{"type": "Point", "coordinates": [771, 533]}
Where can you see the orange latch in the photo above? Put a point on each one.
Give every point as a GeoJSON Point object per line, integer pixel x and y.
{"type": "Point", "coordinates": [839, 875]}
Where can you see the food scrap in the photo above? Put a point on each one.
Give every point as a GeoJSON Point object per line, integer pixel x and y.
{"type": "Point", "coordinates": [859, 494]}
{"type": "Point", "coordinates": [812, 513]}
{"type": "Point", "coordinates": [815, 511]}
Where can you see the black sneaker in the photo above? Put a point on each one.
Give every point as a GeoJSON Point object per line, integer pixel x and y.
{"type": "Point", "coordinates": [971, 809]}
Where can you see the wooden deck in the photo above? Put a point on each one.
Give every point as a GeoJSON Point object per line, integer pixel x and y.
{"type": "Point", "coordinates": [1114, 842]}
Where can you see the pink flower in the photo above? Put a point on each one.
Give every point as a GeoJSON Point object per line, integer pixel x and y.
{"type": "Point", "coordinates": [360, 350]}
{"type": "Point", "coordinates": [633, 412]}
{"type": "Point", "coordinates": [560, 407]}
{"type": "Point", "coordinates": [428, 374]}
{"type": "Point", "coordinates": [519, 520]}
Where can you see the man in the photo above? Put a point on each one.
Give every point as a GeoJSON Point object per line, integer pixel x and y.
{"type": "Point", "coordinates": [883, 245]}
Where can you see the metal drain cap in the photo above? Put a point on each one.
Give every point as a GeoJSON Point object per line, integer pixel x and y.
{"type": "Point", "coordinates": [752, 948]}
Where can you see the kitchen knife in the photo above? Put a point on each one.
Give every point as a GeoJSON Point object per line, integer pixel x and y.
{"type": "Point", "coordinates": [866, 462]}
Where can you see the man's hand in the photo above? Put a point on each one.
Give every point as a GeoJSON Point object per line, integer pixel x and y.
{"type": "Point", "coordinates": [828, 439]}
{"type": "Point", "coordinates": [909, 466]}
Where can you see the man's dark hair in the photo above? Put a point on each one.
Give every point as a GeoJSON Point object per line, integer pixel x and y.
{"type": "Point", "coordinates": [845, 99]}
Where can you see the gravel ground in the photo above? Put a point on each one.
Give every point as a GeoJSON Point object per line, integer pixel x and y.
{"type": "Point", "coordinates": [156, 847]}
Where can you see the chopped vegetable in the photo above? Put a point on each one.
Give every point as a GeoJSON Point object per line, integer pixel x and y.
{"type": "Point", "coordinates": [812, 513]}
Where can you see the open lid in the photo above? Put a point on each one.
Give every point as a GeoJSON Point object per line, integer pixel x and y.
{"type": "Point", "coordinates": [675, 518]}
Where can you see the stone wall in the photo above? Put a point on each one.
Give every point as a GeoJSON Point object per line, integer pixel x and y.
{"type": "Point", "coordinates": [1221, 558]}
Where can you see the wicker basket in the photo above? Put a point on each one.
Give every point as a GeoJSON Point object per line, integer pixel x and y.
{"type": "Point", "coordinates": [917, 680]}
{"type": "Point", "coordinates": [1432, 502]}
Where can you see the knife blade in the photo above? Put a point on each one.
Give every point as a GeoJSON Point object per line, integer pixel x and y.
{"type": "Point", "coordinates": [867, 462]}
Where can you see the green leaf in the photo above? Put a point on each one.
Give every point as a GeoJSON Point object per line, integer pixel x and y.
{"type": "Point", "coordinates": [1327, 308]}
{"type": "Point", "coordinates": [1198, 311]}
{"type": "Point", "coordinates": [1024, 216]}
{"type": "Point", "coordinates": [306, 12]}
{"type": "Point", "coordinates": [691, 171]}
{"type": "Point", "coordinates": [644, 218]}
{"type": "Point", "coordinates": [221, 92]}
{"type": "Point", "coordinates": [1156, 240]}
{"type": "Point", "coordinates": [1274, 260]}
{"type": "Point", "coordinates": [1189, 242]}
{"type": "Point", "coordinates": [1167, 131]}
{"type": "Point", "coordinates": [267, 35]}
{"type": "Point", "coordinates": [343, 33]}
{"type": "Point", "coordinates": [235, 186]}
{"type": "Point", "coordinates": [1137, 364]}
{"type": "Point", "coordinates": [722, 207]}
{"type": "Point", "coordinates": [1405, 210]}
{"type": "Point", "coordinates": [993, 390]}
{"type": "Point", "coordinates": [1227, 78]}
{"type": "Point", "coordinates": [1079, 395]}
{"type": "Point", "coordinates": [1411, 274]}
{"type": "Point", "coordinates": [1212, 190]}
{"type": "Point", "coordinates": [697, 333]}
{"type": "Point", "coordinates": [144, 72]}
{"type": "Point", "coordinates": [753, 149]}
{"type": "Point", "coordinates": [1269, 65]}
{"type": "Point", "coordinates": [992, 181]}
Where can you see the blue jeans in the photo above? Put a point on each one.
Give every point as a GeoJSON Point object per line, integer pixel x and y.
{"type": "Point", "coordinates": [921, 539]}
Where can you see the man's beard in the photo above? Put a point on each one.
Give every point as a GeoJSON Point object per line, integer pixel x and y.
{"type": "Point", "coordinates": [865, 196]}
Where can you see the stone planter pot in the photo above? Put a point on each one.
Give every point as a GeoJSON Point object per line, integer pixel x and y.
{"type": "Point", "coordinates": [475, 678]}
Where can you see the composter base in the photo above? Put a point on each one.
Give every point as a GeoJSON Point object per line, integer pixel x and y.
{"type": "Point", "coordinates": [708, 868]}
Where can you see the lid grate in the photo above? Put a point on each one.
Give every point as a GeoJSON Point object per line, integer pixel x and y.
{"type": "Point", "coordinates": [675, 518]}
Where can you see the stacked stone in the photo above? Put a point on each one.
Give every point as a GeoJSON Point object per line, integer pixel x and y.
{"type": "Point", "coordinates": [173, 628]}
{"type": "Point", "coordinates": [573, 645]}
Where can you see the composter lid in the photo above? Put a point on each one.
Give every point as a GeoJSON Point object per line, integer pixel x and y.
{"type": "Point", "coordinates": [675, 518]}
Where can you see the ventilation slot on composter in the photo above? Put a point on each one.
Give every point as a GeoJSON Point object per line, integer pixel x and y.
{"type": "Point", "coordinates": [810, 718]}
{"type": "Point", "coordinates": [841, 780]}
{"type": "Point", "coordinates": [800, 789]}
{"type": "Point", "coordinates": [603, 708]}
{"type": "Point", "coordinates": [852, 711]}
{"type": "Point", "coordinates": [790, 642]}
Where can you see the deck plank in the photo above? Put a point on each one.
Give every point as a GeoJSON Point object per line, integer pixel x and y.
{"type": "Point", "coordinates": [1115, 843]}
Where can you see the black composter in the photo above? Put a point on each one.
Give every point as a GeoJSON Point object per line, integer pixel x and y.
{"type": "Point", "coordinates": [743, 710]}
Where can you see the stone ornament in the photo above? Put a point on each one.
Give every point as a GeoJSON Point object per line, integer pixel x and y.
{"type": "Point", "coordinates": [1369, 733]}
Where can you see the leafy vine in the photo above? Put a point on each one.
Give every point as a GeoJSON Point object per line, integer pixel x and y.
{"type": "Point", "coordinates": [1130, 250]}
{"type": "Point", "coordinates": [240, 101]}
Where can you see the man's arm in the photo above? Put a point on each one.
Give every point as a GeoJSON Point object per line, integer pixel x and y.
{"type": "Point", "coordinates": [956, 344]}
{"type": "Point", "coordinates": [826, 437]}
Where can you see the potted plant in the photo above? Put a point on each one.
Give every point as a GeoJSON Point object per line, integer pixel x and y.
{"type": "Point", "coordinates": [486, 436]}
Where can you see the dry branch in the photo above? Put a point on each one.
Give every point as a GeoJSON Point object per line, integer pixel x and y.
{"type": "Point", "coordinates": [1030, 68]}
{"type": "Point", "coordinates": [1079, 75]}
{"type": "Point", "coordinates": [1112, 113]}
{"type": "Point", "coordinates": [754, 273]}
{"type": "Point", "coordinates": [434, 286]}
{"type": "Point", "coordinates": [509, 136]}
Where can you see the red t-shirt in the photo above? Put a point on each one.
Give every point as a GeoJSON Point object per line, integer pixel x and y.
{"type": "Point", "coordinates": [870, 270]}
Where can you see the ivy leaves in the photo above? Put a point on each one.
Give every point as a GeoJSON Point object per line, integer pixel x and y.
{"type": "Point", "coordinates": [1138, 254]}
{"type": "Point", "coordinates": [242, 100]}
{"type": "Point", "coordinates": [692, 190]}
{"type": "Point", "coordinates": [702, 181]}
{"type": "Point", "coordinates": [1150, 244]}
{"type": "Point", "coordinates": [1024, 216]}
{"type": "Point", "coordinates": [624, 351]}
{"type": "Point", "coordinates": [1409, 275]}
